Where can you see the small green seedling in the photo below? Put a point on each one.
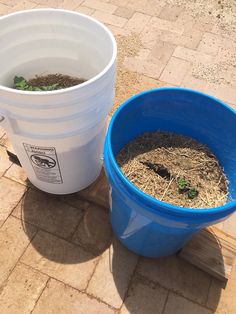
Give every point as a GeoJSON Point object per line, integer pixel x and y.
{"type": "Point", "coordinates": [20, 83]}
{"type": "Point", "coordinates": [192, 193]}
{"type": "Point", "coordinates": [183, 185]}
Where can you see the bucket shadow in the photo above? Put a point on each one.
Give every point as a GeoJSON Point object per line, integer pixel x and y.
{"type": "Point", "coordinates": [67, 227]}
{"type": "Point", "coordinates": [153, 278]}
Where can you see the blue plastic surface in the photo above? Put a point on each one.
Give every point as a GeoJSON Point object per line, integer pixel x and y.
{"type": "Point", "coordinates": [144, 224]}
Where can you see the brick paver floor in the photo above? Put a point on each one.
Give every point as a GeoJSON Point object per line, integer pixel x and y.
{"type": "Point", "coordinates": [58, 254]}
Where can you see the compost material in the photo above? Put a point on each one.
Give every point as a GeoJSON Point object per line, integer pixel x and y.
{"type": "Point", "coordinates": [174, 169]}
{"type": "Point", "coordinates": [62, 80]}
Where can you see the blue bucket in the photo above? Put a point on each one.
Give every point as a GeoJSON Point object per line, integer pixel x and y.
{"type": "Point", "coordinates": [144, 224]}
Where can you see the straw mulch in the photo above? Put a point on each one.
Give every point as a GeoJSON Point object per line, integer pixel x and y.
{"type": "Point", "coordinates": [157, 162]}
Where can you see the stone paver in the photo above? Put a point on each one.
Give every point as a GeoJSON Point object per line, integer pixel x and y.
{"type": "Point", "coordinates": [13, 242]}
{"type": "Point", "coordinates": [124, 12]}
{"type": "Point", "coordinates": [97, 192]}
{"type": "Point", "coordinates": [17, 173]}
{"type": "Point", "coordinates": [10, 195]}
{"type": "Point", "coordinates": [144, 299]}
{"type": "Point", "coordinates": [112, 275]}
{"type": "Point", "coordinates": [161, 43]}
{"type": "Point", "coordinates": [210, 44]}
{"type": "Point", "coordinates": [137, 22]}
{"type": "Point", "coordinates": [85, 10]}
{"type": "Point", "coordinates": [69, 4]}
{"type": "Point", "coordinates": [58, 298]}
{"type": "Point", "coordinates": [5, 163]}
{"type": "Point", "coordinates": [94, 231]}
{"type": "Point", "coordinates": [170, 73]}
{"type": "Point", "coordinates": [4, 9]}
{"type": "Point", "coordinates": [102, 6]}
{"type": "Point", "coordinates": [177, 275]}
{"type": "Point", "coordinates": [2, 131]}
{"type": "Point", "coordinates": [170, 12]}
{"type": "Point", "coordinates": [60, 259]}
{"type": "Point", "coordinates": [21, 290]}
{"type": "Point", "coordinates": [110, 18]}
{"type": "Point", "coordinates": [49, 213]}
{"type": "Point", "coordinates": [179, 305]}
{"type": "Point", "coordinates": [221, 300]}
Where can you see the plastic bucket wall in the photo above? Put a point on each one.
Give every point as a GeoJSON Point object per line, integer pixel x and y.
{"type": "Point", "coordinates": [59, 41]}
{"type": "Point", "coordinates": [58, 135]}
{"type": "Point", "coordinates": [68, 162]}
{"type": "Point", "coordinates": [145, 225]}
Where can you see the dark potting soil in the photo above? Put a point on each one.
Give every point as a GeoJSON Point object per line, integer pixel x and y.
{"type": "Point", "coordinates": [174, 169]}
{"type": "Point", "coordinates": [62, 80]}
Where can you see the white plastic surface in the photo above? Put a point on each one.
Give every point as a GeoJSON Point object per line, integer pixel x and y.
{"type": "Point", "coordinates": [71, 121]}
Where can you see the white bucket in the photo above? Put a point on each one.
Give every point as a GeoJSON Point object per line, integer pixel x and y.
{"type": "Point", "coordinates": [58, 136]}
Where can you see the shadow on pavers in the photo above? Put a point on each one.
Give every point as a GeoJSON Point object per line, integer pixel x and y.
{"type": "Point", "coordinates": [148, 289]}
{"type": "Point", "coordinates": [69, 230]}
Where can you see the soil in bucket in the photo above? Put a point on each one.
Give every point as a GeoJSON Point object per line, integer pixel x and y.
{"type": "Point", "coordinates": [174, 169]}
{"type": "Point", "coordinates": [48, 82]}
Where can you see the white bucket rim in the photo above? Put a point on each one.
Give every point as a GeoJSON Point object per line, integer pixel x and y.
{"type": "Point", "coordinates": [65, 90]}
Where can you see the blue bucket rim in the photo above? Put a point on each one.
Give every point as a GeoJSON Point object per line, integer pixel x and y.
{"type": "Point", "coordinates": [174, 209]}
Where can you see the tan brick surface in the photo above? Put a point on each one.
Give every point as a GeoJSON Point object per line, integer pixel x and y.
{"type": "Point", "coordinates": [85, 10]}
{"type": "Point", "coordinates": [4, 161]}
{"type": "Point", "coordinates": [52, 3]}
{"type": "Point", "coordinates": [177, 275]}
{"type": "Point", "coordinates": [112, 275]}
{"type": "Point", "coordinates": [21, 290]}
{"type": "Point", "coordinates": [191, 55]}
{"type": "Point", "coordinates": [2, 131]}
{"type": "Point", "coordinates": [170, 12]}
{"type": "Point", "coordinates": [58, 298]}
{"type": "Point", "coordinates": [17, 173]}
{"type": "Point", "coordinates": [222, 300]}
{"type": "Point", "coordinates": [178, 305]}
{"type": "Point", "coordinates": [162, 51]}
{"type": "Point", "coordinates": [10, 195]}
{"type": "Point", "coordinates": [109, 18]}
{"type": "Point", "coordinates": [99, 5]}
{"type": "Point", "coordinates": [190, 81]}
{"type": "Point", "coordinates": [23, 5]}
{"type": "Point", "coordinates": [137, 22]}
{"type": "Point", "coordinates": [69, 4]}
{"type": "Point", "coordinates": [144, 299]}
{"type": "Point", "coordinates": [97, 192]}
{"type": "Point", "coordinates": [222, 91]}
{"type": "Point", "coordinates": [210, 43]}
{"type": "Point", "coordinates": [175, 71]}
{"type": "Point", "coordinates": [9, 3]}
{"type": "Point", "coordinates": [94, 231]}
{"type": "Point", "coordinates": [124, 12]}
{"type": "Point", "coordinates": [60, 259]}
{"type": "Point", "coordinates": [13, 242]}
{"type": "Point", "coordinates": [148, 68]}
{"type": "Point", "coordinates": [4, 9]}
{"type": "Point", "coordinates": [4, 141]}
{"type": "Point", "coordinates": [229, 225]}
{"type": "Point", "coordinates": [49, 213]}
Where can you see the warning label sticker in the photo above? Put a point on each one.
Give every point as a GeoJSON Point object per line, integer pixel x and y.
{"type": "Point", "coordinates": [45, 163]}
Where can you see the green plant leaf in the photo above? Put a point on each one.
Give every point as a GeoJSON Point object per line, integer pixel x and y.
{"type": "Point", "coordinates": [193, 193]}
{"type": "Point", "coordinates": [21, 84]}
{"type": "Point", "coordinates": [182, 184]}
